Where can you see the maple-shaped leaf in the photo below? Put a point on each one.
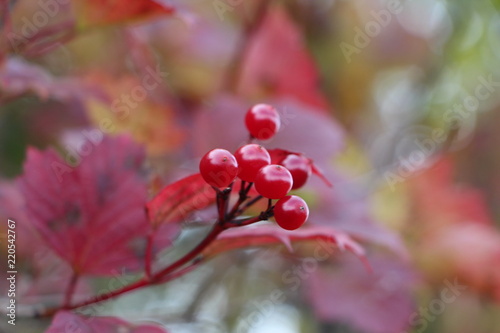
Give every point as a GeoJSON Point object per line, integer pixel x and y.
{"type": "Point", "coordinates": [271, 235]}
{"type": "Point", "coordinates": [66, 321]}
{"type": "Point", "coordinates": [177, 201]}
{"type": "Point", "coordinates": [92, 215]}
{"type": "Point", "coordinates": [45, 278]}
{"type": "Point", "coordinates": [91, 13]}
{"type": "Point", "coordinates": [278, 64]}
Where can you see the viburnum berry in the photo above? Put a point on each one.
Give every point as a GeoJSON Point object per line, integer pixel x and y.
{"type": "Point", "coordinates": [219, 168]}
{"type": "Point", "coordinates": [262, 121]}
{"type": "Point", "coordinates": [291, 212]}
{"type": "Point", "coordinates": [251, 158]}
{"type": "Point", "coordinates": [300, 168]}
{"type": "Point", "coordinates": [273, 181]}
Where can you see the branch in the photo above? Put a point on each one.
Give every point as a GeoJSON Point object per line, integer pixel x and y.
{"type": "Point", "coordinates": [154, 279]}
{"type": "Point", "coordinates": [99, 298]}
{"type": "Point", "coordinates": [212, 235]}
{"type": "Point", "coordinates": [176, 268]}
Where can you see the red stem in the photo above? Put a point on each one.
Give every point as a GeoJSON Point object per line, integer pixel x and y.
{"type": "Point", "coordinates": [243, 195]}
{"type": "Point", "coordinates": [99, 298]}
{"type": "Point", "coordinates": [262, 217]}
{"type": "Point", "coordinates": [216, 230]}
{"type": "Point", "coordinates": [175, 269]}
{"type": "Point", "coordinates": [220, 204]}
{"type": "Point", "coordinates": [156, 278]}
{"type": "Point", "coordinates": [181, 272]}
{"type": "Point", "coordinates": [149, 254]}
{"type": "Point", "coordinates": [247, 205]}
{"type": "Point", "coordinates": [71, 289]}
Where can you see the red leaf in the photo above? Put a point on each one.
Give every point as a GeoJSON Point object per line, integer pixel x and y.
{"type": "Point", "coordinates": [103, 12]}
{"type": "Point", "coordinates": [48, 277]}
{"type": "Point", "coordinates": [66, 321]}
{"type": "Point", "coordinates": [278, 155]}
{"type": "Point", "coordinates": [91, 215]}
{"type": "Point", "coordinates": [380, 302]}
{"type": "Point", "coordinates": [176, 201]}
{"type": "Point", "coordinates": [347, 209]}
{"type": "Point", "coordinates": [457, 229]}
{"type": "Point", "coordinates": [18, 77]}
{"type": "Point", "coordinates": [440, 201]}
{"type": "Point", "coordinates": [320, 174]}
{"type": "Point", "coordinates": [278, 63]}
{"type": "Point", "coordinates": [271, 235]}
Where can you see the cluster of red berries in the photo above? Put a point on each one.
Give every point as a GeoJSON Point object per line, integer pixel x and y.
{"type": "Point", "coordinates": [273, 173]}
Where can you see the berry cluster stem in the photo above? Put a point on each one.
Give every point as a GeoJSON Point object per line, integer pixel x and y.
{"type": "Point", "coordinates": [243, 196]}
{"type": "Point", "coordinates": [212, 235]}
{"type": "Point", "coordinates": [248, 204]}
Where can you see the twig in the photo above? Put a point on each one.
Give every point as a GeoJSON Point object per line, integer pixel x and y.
{"type": "Point", "coordinates": [248, 204]}
{"type": "Point", "coordinates": [149, 254]}
{"type": "Point", "coordinates": [155, 279]}
{"type": "Point", "coordinates": [243, 195]}
{"type": "Point", "coordinates": [99, 298]}
{"type": "Point", "coordinates": [216, 230]}
{"type": "Point", "coordinates": [68, 295]}
{"type": "Point", "coordinates": [177, 268]}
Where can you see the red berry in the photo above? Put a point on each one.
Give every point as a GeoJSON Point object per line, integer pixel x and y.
{"type": "Point", "coordinates": [291, 212]}
{"type": "Point", "coordinates": [300, 168]}
{"type": "Point", "coordinates": [219, 168]}
{"type": "Point", "coordinates": [250, 159]}
{"type": "Point", "coordinates": [273, 181]}
{"type": "Point", "coordinates": [262, 121]}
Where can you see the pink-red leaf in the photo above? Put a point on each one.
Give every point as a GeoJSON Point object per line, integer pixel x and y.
{"type": "Point", "coordinates": [66, 321]}
{"type": "Point", "coordinates": [290, 71]}
{"type": "Point", "coordinates": [278, 155]}
{"type": "Point", "coordinates": [48, 277]}
{"type": "Point", "coordinates": [271, 235]}
{"type": "Point", "coordinates": [380, 302]}
{"type": "Point", "coordinates": [104, 12]}
{"type": "Point", "coordinates": [18, 77]}
{"type": "Point", "coordinates": [177, 201]}
{"type": "Point", "coordinates": [315, 170]}
{"type": "Point", "coordinates": [91, 215]}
